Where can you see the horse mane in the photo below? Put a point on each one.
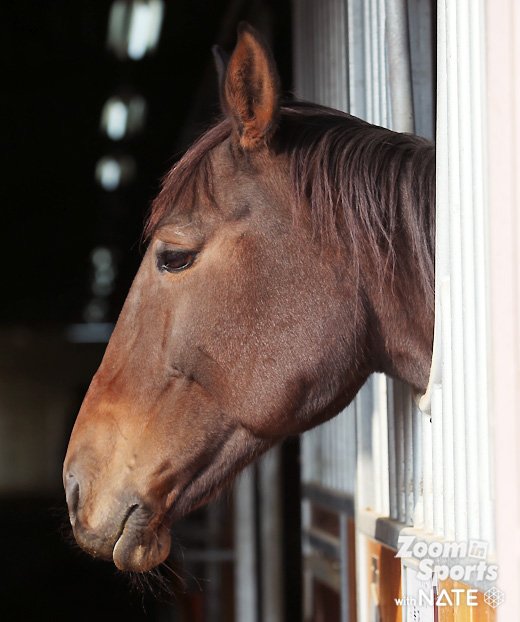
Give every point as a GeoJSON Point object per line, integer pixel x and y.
{"type": "Point", "coordinates": [361, 182]}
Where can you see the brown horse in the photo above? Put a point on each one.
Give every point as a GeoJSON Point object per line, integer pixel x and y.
{"type": "Point", "coordinates": [290, 256]}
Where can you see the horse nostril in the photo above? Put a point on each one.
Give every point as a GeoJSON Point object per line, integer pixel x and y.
{"type": "Point", "coordinates": [72, 495]}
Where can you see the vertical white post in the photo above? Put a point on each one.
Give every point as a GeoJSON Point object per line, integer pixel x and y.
{"type": "Point", "coordinates": [503, 119]}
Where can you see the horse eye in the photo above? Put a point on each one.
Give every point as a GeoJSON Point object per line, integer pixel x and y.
{"type": "Point", "coordinates": [175, 261]}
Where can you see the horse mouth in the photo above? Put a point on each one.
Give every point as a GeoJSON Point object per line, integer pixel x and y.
{"type": "Point", "coordinates": [135, 533]}
{"type": "Point", "coordinates": [141, 545]}
{"type": "Point", "coordinates": [144, 539]}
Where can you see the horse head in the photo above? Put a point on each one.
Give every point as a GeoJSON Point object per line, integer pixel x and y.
{"type": "Point", "coordinates": [276, 279]}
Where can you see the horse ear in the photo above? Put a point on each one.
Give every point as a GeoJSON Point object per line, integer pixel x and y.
{"type": "Point", "coordinates": [251, 90]}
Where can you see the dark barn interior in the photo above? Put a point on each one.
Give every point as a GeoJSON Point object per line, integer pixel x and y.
{"type": "Point", "coordinates": [76, 188]}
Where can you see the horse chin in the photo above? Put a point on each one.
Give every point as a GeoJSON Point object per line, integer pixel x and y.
{"type": "Point", "coordinates": [140, 551]}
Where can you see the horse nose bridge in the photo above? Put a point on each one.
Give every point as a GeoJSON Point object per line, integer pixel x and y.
{"type": "Point", "coordinates": [102, 422]}
{"type": "Point", "coordinates": [116, 388]}
{"type": "Point", "coordinates": [109, 383]}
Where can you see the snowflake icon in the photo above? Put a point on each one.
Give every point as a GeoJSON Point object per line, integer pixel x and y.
{"type": "Point", "coordinates": [494, 597]}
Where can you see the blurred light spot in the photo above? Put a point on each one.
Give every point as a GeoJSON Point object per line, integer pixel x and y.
{"type": "Point", "coordinates": [94, 332]}
{"type": "Point", "coordinates": [96, 310]}
{"type": "Point", "coordinates": [117, 25]}
{"type": "Point", "coordinates": [136, 114]}
{"type": "Point", "coordinates": [123, 116]}
{"type": "Point", "coordinates": [102, 289]}
{"type": "Point", "coordinates": [139, 31]}
{"type": "Point", "coordinates": [101, 257]}
{"type": "Point", "coordinates": [104, 273]}
{"type": "Point", "coordinates": [108, 173]}
{"type": "Point", "coordinates": [115, 118]}
{"type": "Point", "coordinates": [112, 172]}
{"type": "Point", "coordinates": [134, 27]}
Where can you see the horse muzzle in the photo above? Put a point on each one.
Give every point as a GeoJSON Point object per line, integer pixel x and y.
{"type": "Point", "coordinates": [128, 532]}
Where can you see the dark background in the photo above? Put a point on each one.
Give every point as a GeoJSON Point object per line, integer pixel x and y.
{"type": "Point", "coordinates": [56, 75]}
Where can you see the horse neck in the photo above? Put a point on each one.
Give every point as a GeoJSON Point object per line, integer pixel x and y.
{"type": "Point", "coordinates": [400, 327]}
{"type": "Point", "coordinates": [400, 304]}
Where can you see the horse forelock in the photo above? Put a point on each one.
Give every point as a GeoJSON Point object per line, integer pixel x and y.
{"type": "Point", "coordinates": [363, 184]}
{"type": "Point", "coordinates": [191, 174]}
